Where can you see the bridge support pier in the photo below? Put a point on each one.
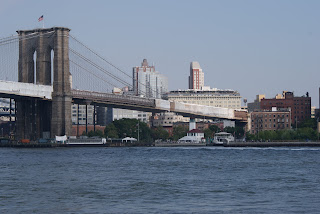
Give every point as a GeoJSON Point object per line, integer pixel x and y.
{"type": "Point", "coordinates": [78, 121]}
{"type": "Point", "coordinates": [61, 116]}
{"type": "Point", "coordinates": [32, 116]}
{"type": "Point", "coordinates": [37, 118]}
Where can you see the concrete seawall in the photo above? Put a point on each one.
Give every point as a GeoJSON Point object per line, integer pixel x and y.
{"type": "Point", "coordinates": [271, 144]}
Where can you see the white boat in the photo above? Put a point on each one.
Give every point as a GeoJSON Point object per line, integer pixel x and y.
{"type": "Point", "coordinates": [222, 137]}
{"type": "Point", "coordinates": [194, 136]}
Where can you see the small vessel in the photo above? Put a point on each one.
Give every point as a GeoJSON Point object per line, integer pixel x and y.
{"type": "Point", "coordinates": [194, 136]}
{"type": "Point", "coordinates": [221, 138]}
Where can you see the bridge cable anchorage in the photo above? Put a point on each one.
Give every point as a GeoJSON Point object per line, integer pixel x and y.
{"type": "Point", "coordinates": [103, 59]}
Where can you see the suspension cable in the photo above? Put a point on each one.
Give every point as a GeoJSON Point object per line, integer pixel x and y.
{"type": "Point", "coordinates": [98, 67]}
{"type": "Point", "coordinates": [92, 73]}
{"type": "Point", "coordinates": [139, 90]}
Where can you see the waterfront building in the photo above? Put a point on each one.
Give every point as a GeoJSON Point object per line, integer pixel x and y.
{"type": "Point", "coordinates": [275, 119]}
{"type": "Point", "coordinates": [166, 119]}
{"type": "Point", "coordinates": [255, 105]}
{"type": "Point", "coordinates": [193, 136]}
{"type": "Point", "coordinates": [196, 78]}
{"type": "Point", "coordinates": [148, 82]}
{"type": "Point", "coordinates": [81, 114]}
{"type": "Point", "coordinates": [5, 110]}
{"type": "Point", "coordinates": [131, 114]}
{"type": "Point", "coordinates": [300, 106]}
{"type": "Point", "coordinates": [209, 97]}
{"type": "Point", "coordinates": [118, 114]}
{"type": "Point", "coordinates": [104, 115]}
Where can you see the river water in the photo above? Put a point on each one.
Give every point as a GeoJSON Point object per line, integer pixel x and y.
{"type": "Point", "coordinates": [160, 180]}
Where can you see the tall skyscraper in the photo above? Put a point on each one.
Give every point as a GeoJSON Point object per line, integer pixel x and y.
{"type": "Point", "coordinates": [196, 78]}
{"type": "Point", "coordinates": [149, 82]}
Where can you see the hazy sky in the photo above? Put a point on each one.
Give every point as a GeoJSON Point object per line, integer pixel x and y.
{"type": "Point", "coordinates": [253, 46]}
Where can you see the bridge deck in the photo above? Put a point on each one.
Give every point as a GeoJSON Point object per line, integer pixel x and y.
{"type": "Point", "coordinates": [18, 89]}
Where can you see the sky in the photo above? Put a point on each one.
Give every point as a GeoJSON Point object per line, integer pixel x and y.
{"type": "Point", "coordinates": [252, 46]}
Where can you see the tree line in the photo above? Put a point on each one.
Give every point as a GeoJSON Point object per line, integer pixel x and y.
{"type": "Point", "coordinates": [131, 127]}
{"type": "Point", "coordinates": [305, 131]}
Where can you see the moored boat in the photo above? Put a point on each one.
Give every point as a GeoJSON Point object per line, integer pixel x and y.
{"type": "Point", "coordinates": [221, 138]}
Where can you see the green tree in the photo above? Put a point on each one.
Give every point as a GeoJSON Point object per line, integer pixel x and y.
{"type": "Point", "coordinates": [111, 131]}
{"type": "Point", "coordinates": [99, 133]}
{"type": "Point", "coordinates": [144, 132]}
{"type": "Point", "coordinates": [179, 132]}
{"type": "Point", "coordinates": [91, 133]}
{"type": "Point", "coordinates": [159, 133]}
{"type": "Point", "coordinates": [126, 127]}
{"type": "Point", "coordinates": [208, 133]}
{"type": "Point", "coordinates": [239, 131]}
{"type": "Point", "coordinates": [309, 123]}
{"type": "Point", "coordinates": [214, 128]}
{"type": "Point", "coordinates": [306, 134]}
{"type": "Point", "coordinates": [129, 128]}
{"type": "Point", "coordinates": [229, 129]}
{"type": "Point", "coordinates": [250, 137]}
{"type": "Point", "coordinates": [287, 135]}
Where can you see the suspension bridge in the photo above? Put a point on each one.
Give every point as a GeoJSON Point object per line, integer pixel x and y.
{"type": "Point", "coordinates": [46, 70]}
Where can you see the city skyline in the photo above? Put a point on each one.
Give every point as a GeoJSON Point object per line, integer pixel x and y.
{"type": "Point", "coordinates": [249, 46]}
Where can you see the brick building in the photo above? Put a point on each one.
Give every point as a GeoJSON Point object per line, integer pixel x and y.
{"type": "Point", "coordinates": [270, 120]}
{"type": "Point", "coordinates": [300, 106]}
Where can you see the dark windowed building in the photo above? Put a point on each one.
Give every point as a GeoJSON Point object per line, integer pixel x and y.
{"type": "Point", "coordinates": [300, 106]}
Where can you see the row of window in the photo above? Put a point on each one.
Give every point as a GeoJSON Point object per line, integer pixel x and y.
{"type": "Point", "coordinates": [297, 107]}
{"type": "Point", "coordinates": [270, 115]}
{"type": "Point", "coordinates": [270, 126]}
{"type": "Point", "coordinates": [274, 120]}
{"type": "Point", "coordinates": [140, 115]}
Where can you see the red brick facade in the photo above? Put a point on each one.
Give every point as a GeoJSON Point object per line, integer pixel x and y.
{"type": "Point", "coordinates": [269, 120]}
{"type": "Point", "coordinates": [300, 106]}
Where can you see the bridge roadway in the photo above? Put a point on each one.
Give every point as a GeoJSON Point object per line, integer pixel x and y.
{"type": "Point", "coordinates": [29, 90]}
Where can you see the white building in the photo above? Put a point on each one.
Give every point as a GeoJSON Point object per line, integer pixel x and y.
{"type": "Point", "coordinates": [168, 119]}
{"type": "Point", "coordinates": [81, 116]}
{"type": "Point", "coordinates": [148, 82]}
{"type": "Point", "coordinates": [196, 78]}
{"type": "Point", "coordinates": [208, 97]}
{"type": "Point", "coordinates": [131, 114]}
{"type": "Point", "coordinates": [193, 136]}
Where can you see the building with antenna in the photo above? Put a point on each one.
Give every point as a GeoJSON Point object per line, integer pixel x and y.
{"type": "Point", "coordinates": [148, 82]}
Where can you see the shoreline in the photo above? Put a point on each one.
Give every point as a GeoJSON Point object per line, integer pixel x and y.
{"type": "Point", "coordinates": [272, 144]}
{"type": "Point", "coordinates": [140, 144]}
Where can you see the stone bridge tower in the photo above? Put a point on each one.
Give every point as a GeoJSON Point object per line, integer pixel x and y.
{"type": "Point", "coordinates": [38, 118]}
